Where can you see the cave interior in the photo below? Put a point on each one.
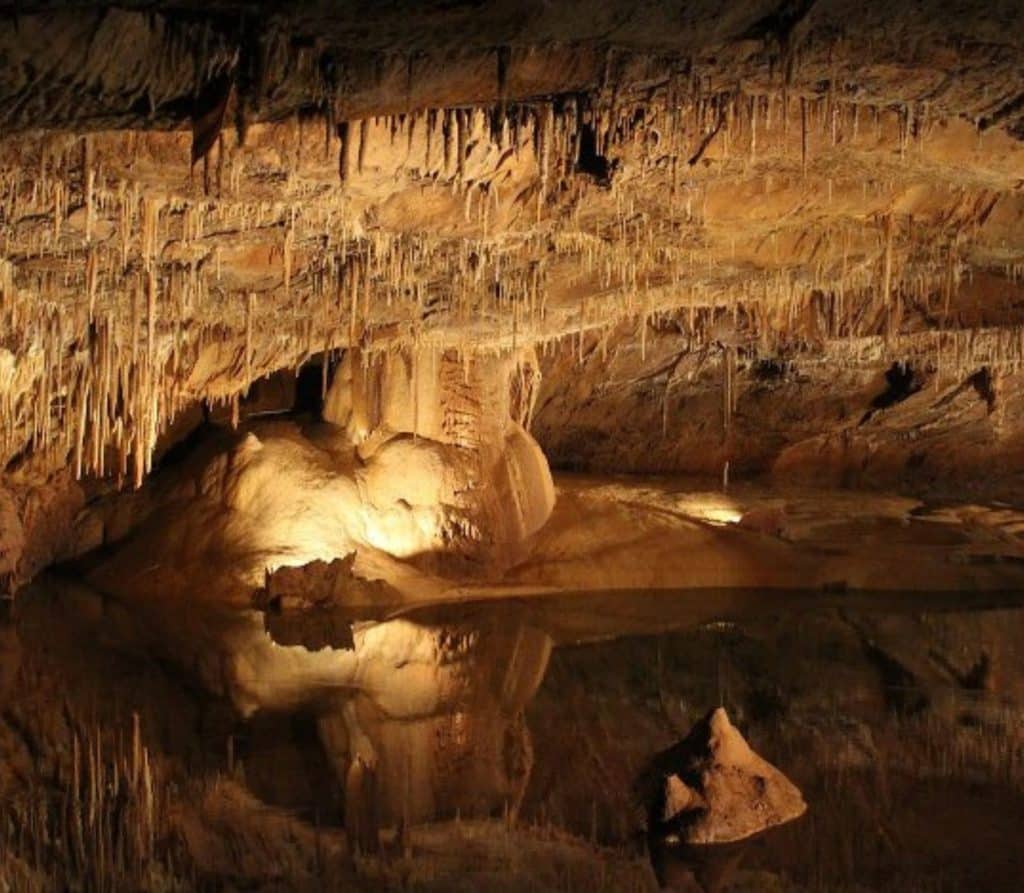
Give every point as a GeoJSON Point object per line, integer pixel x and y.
{"type": "Point", "coordinates": [441, 441]}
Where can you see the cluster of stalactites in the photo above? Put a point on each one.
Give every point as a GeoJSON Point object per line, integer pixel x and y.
{"type": "Point", "coordinates": [846, 281]}
{"type": "Point", "coordinates": [107, 338]}
{"type": "Point", "coordinates": [116, 312]}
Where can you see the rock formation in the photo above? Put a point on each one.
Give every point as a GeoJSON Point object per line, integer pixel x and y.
{"type": "Point", "coordinates": [692, 217]}
{"type": "Point", "coordinates": [714, 789]}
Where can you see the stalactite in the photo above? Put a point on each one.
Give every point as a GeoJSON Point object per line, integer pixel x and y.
{"type": "Point", "coordinates": [58, 208]}
{"type": "Point", "coordinates": [286, 256]}
{"type": "Point", "coordinates": [728, 384]}
{"type": "Point", "coordinates": [431, 126]}
{"type": "Point", "coordinates": [887, 278]}
{"type": "Point", "coordinates": [803, 135]}
{"type": "Point", "coordinates": [638, 262]}
{"type": "Point", "coordinates": [462, 123]}
{"type": "Point", "coordinates": [151, 288]}
{"type": "Point", "coordinates": [364, 139]}
{"type": "Point", "coordinates": [250, 318]}
{"type": "Point", "coordinates": [449, 128]}
{"type": "Point", "coordinates": [345, 152]}
{"type": "Point", "coordinates": [151, 208]}
{"type": "Point", "coordinates": [92, 279]}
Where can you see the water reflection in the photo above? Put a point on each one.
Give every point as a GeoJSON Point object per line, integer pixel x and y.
{"type": "Point", "coordinates": [10, 648]}
{"type": "Point", "coordinates": [548, 706]}
{"type": "Point", "coordinates": [687, 869]}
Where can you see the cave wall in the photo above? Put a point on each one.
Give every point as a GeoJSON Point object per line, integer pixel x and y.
{"type": "Point", "coordinates": [846, 417]}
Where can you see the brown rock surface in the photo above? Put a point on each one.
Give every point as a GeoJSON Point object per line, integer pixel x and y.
{"type": "Point", "coordinates": [679, 199]}
{"type": "Point", "coordinates": [717, 790]}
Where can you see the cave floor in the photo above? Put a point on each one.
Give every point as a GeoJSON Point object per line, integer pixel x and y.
{"type": "Point", "coordinates": [677, 533]}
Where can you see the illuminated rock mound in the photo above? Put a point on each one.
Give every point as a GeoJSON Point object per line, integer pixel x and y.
{"type": "Point", "coordinates": [716, 790]}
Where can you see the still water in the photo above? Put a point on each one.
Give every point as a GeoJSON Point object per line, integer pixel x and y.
{"type": "Point", "coordinates": [899, 716]}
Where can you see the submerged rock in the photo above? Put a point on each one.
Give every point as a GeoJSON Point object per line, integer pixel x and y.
{"type": "Point", "coordinates": [711, 788]}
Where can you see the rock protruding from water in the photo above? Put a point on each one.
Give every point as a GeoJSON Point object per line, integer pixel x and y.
{"type": "Point", "coordinates": [711, 788]}
{"type": "Point", "coordinates": [314, 605]}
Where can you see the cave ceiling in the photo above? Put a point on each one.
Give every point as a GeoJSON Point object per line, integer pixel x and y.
{"type": "Point", "coordinates": [193, 196]}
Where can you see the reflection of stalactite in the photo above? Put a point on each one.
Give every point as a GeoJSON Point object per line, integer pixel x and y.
{"type": "Point", "coordinates": [362, 825]}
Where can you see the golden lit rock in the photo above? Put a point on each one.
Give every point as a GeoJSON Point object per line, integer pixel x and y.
{"type": "Point", "coordinates": [717, 790]}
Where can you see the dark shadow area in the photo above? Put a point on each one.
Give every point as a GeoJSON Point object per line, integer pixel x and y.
{"type": "Point", "coordinates": [309, 390]}
{"type": "Point", "coordinates": [590, 161]}
{"type": "Point", "coordinates": [284, 764]}
{"type": "Point", "coordinates": [902, 381]}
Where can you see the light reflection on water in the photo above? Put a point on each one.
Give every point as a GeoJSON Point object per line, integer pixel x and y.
{"type": "Point", "coordinates": [666, 656]}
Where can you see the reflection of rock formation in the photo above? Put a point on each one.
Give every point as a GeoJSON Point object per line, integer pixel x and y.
{"type": "Point", "coordinates": [692, 868]}
{"type": "Point", "coordinates": [362, 819]}
{"type": "Point", "coordinates": [711, 788]}
{"type": "Point", "coordinates": [434, 723]}
{"type": "Point", "coordinates": [439, 713]}
{"type": "Point", "coordinates": [433, 709]}
{"type": "Point", "coordinates": [314, 605]}
{"type": "Point", "coordinates": [10, 651]}
{"type": "Point", "coordinates": [423, 466]}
